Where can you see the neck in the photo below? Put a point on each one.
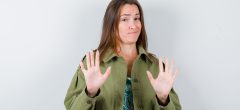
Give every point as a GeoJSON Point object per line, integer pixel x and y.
{"type": "Point", "coordinates": [127, 50]}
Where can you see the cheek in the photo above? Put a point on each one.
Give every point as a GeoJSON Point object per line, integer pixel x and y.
{"type": "Point", "coordinates": [140, 25]}
{"type": "Point", "coordinates": [122, 30]}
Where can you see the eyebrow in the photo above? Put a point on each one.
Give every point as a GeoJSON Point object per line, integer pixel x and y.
{"type": "Point", "coordinates": [128, 14]}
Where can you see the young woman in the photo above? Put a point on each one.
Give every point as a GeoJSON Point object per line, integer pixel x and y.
{"type": "Point", "coordinates": [121, 73]}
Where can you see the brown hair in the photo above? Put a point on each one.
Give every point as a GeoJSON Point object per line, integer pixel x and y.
{"type": "Point", "coordinates": [110, 26]}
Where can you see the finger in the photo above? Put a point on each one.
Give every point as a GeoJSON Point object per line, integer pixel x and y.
{"type": "Point", "coordinates": [150, 77]}
{"type": "Point", "coordinates": [175, 75]}
{"type": "Point", "coordinates": [97, 59]}
{"type": "Point", "coordinates": [91, 59]}
{"type": "Point", "coordinates": [160, 65]}
{"type": "Point", "coordinates": [171, 67]}
{"type": "Point", "coordinates": [82, 67]}
{"type": "Point", "coordinates": [88, 60]}
{"type": "Point", "coordinates": [107, 73]}
{"type": "Point", "coordinates": [149, 74]}
{"type": "Point", "coordinates": [166, 65]}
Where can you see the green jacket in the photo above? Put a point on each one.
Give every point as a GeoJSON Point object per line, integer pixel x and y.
{"type": "Point", "coordinates": [111, 93]}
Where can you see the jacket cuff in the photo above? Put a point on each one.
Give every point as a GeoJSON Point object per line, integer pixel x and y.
{"type": "Point", "coordinates": [169, 106]}
{"type": "Point", "coordinates": [84, 101]}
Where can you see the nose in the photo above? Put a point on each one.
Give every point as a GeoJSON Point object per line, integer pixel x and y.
{"type": "Point", "coordinates": [132, 26]}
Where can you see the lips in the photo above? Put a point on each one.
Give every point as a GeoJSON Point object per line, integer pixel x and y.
{"type": "Point", "coordinates": [132, 32]}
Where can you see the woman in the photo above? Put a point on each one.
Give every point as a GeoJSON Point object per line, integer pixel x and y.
{"type": "Point", "coordinates": [121, 74]}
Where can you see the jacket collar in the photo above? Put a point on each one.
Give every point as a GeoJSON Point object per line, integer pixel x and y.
{"type": "Point", "coordinates": [110, 54]}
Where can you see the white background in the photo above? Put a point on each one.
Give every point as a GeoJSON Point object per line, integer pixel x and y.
{"type": "Point", "coordinates": [42, 42]}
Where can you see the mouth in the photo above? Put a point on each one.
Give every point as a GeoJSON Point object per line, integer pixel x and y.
{"type": "Point", "coordinates": [132, 32]}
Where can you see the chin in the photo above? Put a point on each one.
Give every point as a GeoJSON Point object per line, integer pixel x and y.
{"type": "Point", "coordinates": [131, 42]}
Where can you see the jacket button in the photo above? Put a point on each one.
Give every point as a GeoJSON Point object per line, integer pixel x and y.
{"type": "Point", "coordinates": [88, 102]}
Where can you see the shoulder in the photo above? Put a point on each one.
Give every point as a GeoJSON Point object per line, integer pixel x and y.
{"type": "Point", "coordinates": [155, 59]}
{"type": "Point", "coordinates": [84, 57]}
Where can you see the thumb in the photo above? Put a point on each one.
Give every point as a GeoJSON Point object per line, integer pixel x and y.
{"type": "Point", "coordinates": [107, 73]}
{"type": "Point", "coordinates": [149, 74]}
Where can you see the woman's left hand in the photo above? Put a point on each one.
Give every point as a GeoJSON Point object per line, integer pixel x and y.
{"type": "Point", "coordinates": [164, 82]}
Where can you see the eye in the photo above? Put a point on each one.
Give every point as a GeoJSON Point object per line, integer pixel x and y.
{"type": "Point", "coordinates": [124, 19]}
{"type": "Point", "coordinates": [137, 19]}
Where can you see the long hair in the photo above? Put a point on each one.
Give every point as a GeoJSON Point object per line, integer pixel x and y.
{"type": "Point", "coordinates": [110, 26]}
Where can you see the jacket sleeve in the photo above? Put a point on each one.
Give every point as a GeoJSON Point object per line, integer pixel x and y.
{"type": "Point", "coordinates": [173, 103]}
{"type": "Point", "coordinates": [76, 98]}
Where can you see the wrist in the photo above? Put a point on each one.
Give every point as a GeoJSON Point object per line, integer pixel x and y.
{"type": "Point", "coordinates": [163, 99]}
{"type": "Point", "coordinates": [91, 93]}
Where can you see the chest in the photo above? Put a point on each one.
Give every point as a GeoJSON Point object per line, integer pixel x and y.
{"type": "Point", "coordinates": [112, 92]}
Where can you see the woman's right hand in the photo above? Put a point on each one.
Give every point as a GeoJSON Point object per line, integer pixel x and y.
{"type": "Point", "coordinates": [93, 75]}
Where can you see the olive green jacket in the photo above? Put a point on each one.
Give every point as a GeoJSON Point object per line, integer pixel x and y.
{"type": "Point", "coordinates": [111, 94]}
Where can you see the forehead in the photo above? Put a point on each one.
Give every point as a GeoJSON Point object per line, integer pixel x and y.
{"type": "Point", "coordinates": [129, 9]}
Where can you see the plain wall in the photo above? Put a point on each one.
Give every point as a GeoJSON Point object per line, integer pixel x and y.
{"type": "Point", "coordinates": [42, 42]}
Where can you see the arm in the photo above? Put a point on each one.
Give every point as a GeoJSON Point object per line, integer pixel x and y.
{"type": "Point", "coordinates": [76, 97]}
{"type": "Point", "coordinates": [86, 83]}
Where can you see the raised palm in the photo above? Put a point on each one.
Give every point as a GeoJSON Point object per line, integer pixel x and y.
{"type": "Point", "coordinates": [93, 76]}
{"type": "Point", "coordinates": [164, 82]}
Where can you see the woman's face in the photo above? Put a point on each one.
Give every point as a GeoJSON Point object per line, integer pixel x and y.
{"type": "Point", "coordinates": [129, 25]}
